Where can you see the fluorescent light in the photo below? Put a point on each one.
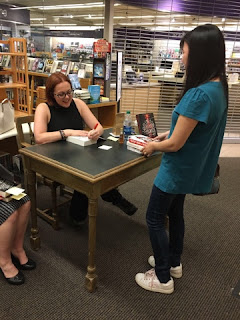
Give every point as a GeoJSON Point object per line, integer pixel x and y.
{"type": "Point", "coordinates": [52, 24]}
{"type": "Point", "coordinates": [87, 28]}
{"type": "Point", "coordinates": [37, 19]}
{"type": "Point", "coordinates": [63, 6]}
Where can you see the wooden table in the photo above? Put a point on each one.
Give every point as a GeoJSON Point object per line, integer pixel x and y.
{"type": "Point", "coordinates": [89, 170]}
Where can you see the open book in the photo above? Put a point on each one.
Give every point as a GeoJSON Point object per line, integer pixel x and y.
{"type": "Point", "coordinates": [82, 141]}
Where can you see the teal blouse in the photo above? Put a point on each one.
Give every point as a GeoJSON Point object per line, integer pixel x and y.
{"type": "Point", "coordinates": [191, 169]}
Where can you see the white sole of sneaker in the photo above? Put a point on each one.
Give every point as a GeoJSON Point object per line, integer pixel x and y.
{"type": "Point", "coordinates": [175, 272]}
{"type": "Point", "coordinates": [165, 288]}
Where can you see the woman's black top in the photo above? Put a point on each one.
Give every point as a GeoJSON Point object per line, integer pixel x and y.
{"type": "Point", "coordinates": [64, 118]}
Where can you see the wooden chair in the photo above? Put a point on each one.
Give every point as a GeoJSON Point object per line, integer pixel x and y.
{"type": "Point", "coordinates": [27, 139]}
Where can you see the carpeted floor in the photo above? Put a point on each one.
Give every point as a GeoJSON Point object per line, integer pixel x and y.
{"type": "Point", "coordinates": [211, 261]}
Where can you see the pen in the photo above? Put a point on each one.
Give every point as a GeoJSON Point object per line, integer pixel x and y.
{"type": "Point", "coordinates": [95, 126]}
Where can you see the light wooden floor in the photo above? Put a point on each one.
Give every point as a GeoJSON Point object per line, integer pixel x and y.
{"type": "Point", "coordinates": [230, 150]}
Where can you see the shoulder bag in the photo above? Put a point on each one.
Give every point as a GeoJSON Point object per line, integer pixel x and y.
{"type": "Point", "coordinates": [6, 116]}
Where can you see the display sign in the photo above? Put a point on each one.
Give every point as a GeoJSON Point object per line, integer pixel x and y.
{"type": "Point", "coordinates": [102, 45]}
{"type": "Point", "coordinates": [119, 76]}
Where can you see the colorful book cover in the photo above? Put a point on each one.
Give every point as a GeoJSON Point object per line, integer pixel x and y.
{"type": "Point", "coordinates": [41, 65]}
{"type": "Point", "coordinates": [139, 139]}
{"type": "Point", "coordinates": [146, 124]}
{"type": "Point", "coordinates": [74, 81]}
{"type": "Point", "coordinates": [94, 91]}
{"type": "Point", "coordinates": [98, 70]}
{"type": "Point", "coordinates": [65, 67]}
{"type": "Point", "coordinates": [48, 65]}
{"type": "Point", "coordinates": [100, 82]}
{"type": "Point", "coordinates": [35, 64]}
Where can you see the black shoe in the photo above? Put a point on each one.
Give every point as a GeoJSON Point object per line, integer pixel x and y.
{"type": "Point", "coordinates": [125, 206]}
{"type": "Point", "coordinates": [29, 265]}
{"type": "Point", "coordinates": [118, 200]}
{"type": "Point", "coordinates": [16, 280]}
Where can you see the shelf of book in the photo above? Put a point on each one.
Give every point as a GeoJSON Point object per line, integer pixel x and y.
{"type": "Point", "coordinates": [18, 83]}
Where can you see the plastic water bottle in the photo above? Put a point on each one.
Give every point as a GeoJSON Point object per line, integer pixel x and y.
{"type": "Point", "coordinates": [127, 125]}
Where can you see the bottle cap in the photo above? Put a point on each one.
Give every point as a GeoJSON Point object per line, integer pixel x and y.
{"type": "Point", "coordinates": [128, 112]}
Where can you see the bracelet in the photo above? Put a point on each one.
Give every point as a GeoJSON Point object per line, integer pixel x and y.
{"type": "Point", "coordinates": [62, 133]}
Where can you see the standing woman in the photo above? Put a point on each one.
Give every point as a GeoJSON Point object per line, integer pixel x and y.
{"type": "Point", "coordinates": [63, 116]}
{"type": "Point", "coordinates": [191, 150]}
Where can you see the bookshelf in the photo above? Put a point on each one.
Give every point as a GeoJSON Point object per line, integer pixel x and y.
{"type": "Point", "coordinates": [17, 73]}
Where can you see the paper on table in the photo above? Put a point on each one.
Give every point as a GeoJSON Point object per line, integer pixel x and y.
{"type": "Point", "coordinates": [15, 191]}
{"type": "Point", "coordinates": [112, 138]}
{"type": "Point", "coordinates": [104, 147]}
{"type": "Point", "coordinates": [18, 197]}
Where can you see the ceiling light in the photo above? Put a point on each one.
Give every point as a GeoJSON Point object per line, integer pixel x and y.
{"type": "Point", "coordinates": [63, 6]}
{"type": "Point", "coordinates": [38, 19]}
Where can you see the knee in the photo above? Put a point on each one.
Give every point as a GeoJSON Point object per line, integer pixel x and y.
{"type": "Point", "coordinates": [155, 220]}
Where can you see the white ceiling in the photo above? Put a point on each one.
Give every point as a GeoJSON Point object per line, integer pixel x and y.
{"type": "Point", "coordinates": [90, 13]}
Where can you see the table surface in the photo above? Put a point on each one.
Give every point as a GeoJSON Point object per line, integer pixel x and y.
{"type": "Point", "coordinates": [89, 159]}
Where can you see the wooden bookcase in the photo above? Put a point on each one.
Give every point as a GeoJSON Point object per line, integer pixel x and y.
{"type": "Point", "coordinates": [17, 49]}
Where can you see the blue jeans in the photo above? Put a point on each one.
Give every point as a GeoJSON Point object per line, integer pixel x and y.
{"type": "Point", "coordinates": [167, 252]}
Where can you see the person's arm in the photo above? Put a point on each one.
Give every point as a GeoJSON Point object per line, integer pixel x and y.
{"type": "Point", "coordinates": [181, 133]}
{"type": "Point", "coordinates": [41, 120]}
{"type": "Point", "coordinates": [162, 136]}
{"type": "Point", "coordinates": [89, 119]}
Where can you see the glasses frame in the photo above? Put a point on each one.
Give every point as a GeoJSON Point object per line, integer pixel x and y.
{"type": "Point", "coordinates": [64, 94]}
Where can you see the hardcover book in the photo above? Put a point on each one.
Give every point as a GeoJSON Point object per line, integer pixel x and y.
{"type": "Point", "coordinates": [100, 82]}
{"type": "Point", "coordinates": [98, 70]}
{"type": "Point", "coordinates": [139, 139]}
{"type": "Point", "coordinates": [48, 65]}
{"type": "Point", "coordinates": [65, 67]}
{"type": "Point", "coordinates": [4, 186]}
{"type": "Point", "coordinates": [35, 64]}
{"type": "Point", "coordinates": [74, 81]}
{"type": "Point", "coordinates": [41, 65]}
{"type": "Point", "coordinates": [134, 147]}
{"type": "Point", "coordinates": [146, 124]}
{"type": "Point", "coordinates": [94, 93]}
{"type": "Point", "coordinates": [82, 141]}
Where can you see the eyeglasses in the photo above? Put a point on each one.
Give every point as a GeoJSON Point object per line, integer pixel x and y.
{"type": "Point", "coordinates": [62, 95]}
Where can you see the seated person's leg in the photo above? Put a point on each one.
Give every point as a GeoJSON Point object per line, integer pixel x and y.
{"type": "Point", "coordinates": [78, 208]}
{"type": "Point", "coordinates": [118, 200]}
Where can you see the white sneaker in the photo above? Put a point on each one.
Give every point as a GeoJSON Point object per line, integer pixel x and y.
{"type": "Point", "coordinates": [175, 272]}
{"type": "Point", "coordinates": [149, 281]}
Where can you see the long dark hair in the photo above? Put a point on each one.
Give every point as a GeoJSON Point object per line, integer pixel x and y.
{"type": "Point", "coordinates": [206, 58]}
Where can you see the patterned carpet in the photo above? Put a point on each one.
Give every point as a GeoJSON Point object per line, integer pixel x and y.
{"type": "Point", "coordinates": [211, 259]}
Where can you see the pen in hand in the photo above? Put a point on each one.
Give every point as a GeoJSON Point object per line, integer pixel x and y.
{"type": "Point", "coordinates": [95, 127]}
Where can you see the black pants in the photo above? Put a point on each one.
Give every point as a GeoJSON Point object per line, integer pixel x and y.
{"type": "Point", "coordinates": [79, 203]}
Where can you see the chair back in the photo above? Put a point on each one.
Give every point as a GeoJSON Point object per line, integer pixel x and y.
{"type": "Point", "coordinates": [25, 135]}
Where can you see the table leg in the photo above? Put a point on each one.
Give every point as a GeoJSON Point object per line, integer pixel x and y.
{"type": "Point", "coordinates": [91, 276]}
{"type": "Point", "coordinates": [34, 238]}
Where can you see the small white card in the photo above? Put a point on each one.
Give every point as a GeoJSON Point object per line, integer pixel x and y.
{"type": "Point", "coordinates": [15, 191]}
{"type": "Point", "coordinates": [104, 147]}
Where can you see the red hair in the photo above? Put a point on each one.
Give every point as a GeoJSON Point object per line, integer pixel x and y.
{"type": "Point", "coordinates": [51, 83]}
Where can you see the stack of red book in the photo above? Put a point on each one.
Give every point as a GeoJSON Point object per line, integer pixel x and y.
{"type": "Point", "coordinates": [137, 142]}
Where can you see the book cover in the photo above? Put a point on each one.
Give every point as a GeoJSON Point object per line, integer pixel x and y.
{"type": "Point", "coordinates": [139, 139]}
{"type": "Point", "coordinates": [30, 63]}
{"type": "Point", "coordinates": [65, 67]}
{"type": "Point", "coordinates": [74, 81]}
{"type": "Point", "coordinates": [136, 147]}
{"type": "Point", "coordinates": [54, 66]}
{"type": "Point", "coordinates": [75, 67]}
{"type": "Point", "coordinates": [4, 186]}
{"type": "Point", "coordinates": [146, 124]}
{"type": "Point", "coordinates": [5, 61]}
{"type": "Point", "coordinates": [94, 91]}
{"type": "Point", "coordinates": [82, 141]}
{"type": "Point", "coordinates": [48, 65]}
{"type": "Point", "coordinates": [35, 64]}
{"type": "Point", "coordinates": [41, 65]}
{"type": "Point", "coordinates": [100, 82]}
{"type": "Point", "coordinates": [98, 70]}
{"type": "Point", "coordinates": [59, 66]}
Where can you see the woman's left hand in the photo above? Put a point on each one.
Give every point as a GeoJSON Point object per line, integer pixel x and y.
{"type": "Point", "coordinates": [93, 134]}
{"type": "Point", "coordinates": [148, 149]}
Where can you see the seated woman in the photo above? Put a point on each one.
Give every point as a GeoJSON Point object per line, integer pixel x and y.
{"type": "Point", "coordinates": [63, 116]}
{"type": "Point", "coordinates": [13, 222]}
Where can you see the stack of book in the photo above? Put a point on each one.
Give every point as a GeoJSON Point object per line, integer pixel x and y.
{"type": "Point", "coordinates": [82, 94]}
{"type": "Point", "coordinates": [137, 142]}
